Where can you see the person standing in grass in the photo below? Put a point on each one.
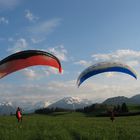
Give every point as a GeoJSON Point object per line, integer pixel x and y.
{"type": "Point", "coordinates": [19, 114]}
{"type": "Point", "coordinates": [112, 117]}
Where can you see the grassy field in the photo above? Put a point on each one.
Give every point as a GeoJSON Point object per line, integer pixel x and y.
{"type": "Point", "coordinates": [69, 126]}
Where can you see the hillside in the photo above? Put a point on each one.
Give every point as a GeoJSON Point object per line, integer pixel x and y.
{"type": "Point", "coordinates": [134, 100]}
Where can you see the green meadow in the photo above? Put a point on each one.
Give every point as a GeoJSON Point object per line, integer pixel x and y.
{"type": "Point", "coordinates": [69, 126]}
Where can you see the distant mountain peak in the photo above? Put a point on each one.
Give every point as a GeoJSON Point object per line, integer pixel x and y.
{"type": "Point", "coordinates": [71, 100]}
{"type": "Point", "coordinates": [71, 103]}
{"type": "Point", "coordinates": [116, 100]}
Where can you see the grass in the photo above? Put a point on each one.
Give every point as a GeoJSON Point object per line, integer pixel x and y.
{"type": "Point", "coordinates": [134, 108]}
{"type": "Point", "coordinates": [69, 126]}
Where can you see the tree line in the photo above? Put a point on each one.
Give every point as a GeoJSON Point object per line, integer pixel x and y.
{"type": "Point", "coordinates": [94, 108]}
{"type": "Point", "coordinates": [51, 110]}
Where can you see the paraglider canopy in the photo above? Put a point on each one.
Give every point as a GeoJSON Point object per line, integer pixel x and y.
{"type": "Point", "coordinates": [105, 67]}
{"type": "Point", "coordinates": [27, 58]}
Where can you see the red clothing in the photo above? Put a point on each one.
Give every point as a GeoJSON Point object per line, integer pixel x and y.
{"type": "Point", "coordinates": [19, 114]}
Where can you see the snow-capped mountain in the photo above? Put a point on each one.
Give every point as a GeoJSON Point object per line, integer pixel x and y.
{"type": "Point", "coordinates": [41, 104]}
{"type": "Point", "coordinates": [7, 108]}
{"type": "Point", "coordinates": [71, 103]}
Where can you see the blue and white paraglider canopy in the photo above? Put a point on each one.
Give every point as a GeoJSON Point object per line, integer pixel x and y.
{"type": "Point", "coordinates": [105, 67]}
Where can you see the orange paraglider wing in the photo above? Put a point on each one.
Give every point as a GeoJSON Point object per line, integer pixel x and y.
{"type": "Point", "coordinates": [27, 58]}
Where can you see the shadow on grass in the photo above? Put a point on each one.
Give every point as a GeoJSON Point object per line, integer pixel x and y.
{"type": "Point", "coordinates": [37, 136]}
{"type": "Point", "coordinates": [58, 113]}
{"type": "Point", "coordinates": [76, 136]}
{"type": "Point", "coordinates": [89, 114]}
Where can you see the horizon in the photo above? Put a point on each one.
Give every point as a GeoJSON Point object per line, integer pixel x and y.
{"type": "Point", "coordinates": [79, 33]}
{"type": "Point", "coordinates": [66, 97]}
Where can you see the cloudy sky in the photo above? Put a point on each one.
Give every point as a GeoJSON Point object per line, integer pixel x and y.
{"type": "Point", "coordinates": [80, 33]}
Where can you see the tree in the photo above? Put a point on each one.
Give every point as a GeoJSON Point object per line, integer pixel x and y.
{"type": "Point", "coordinates": [124, 108]}
{"type": "Point", "coordinates": [118, 108]}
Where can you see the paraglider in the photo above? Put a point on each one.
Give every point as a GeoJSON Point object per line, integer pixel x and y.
{"type": "Point", "coordinates": [105, 67]}
{"type": "Point", "coordinates": [27, 58]}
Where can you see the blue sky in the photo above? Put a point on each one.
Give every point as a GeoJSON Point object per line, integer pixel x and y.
{"type": "Point", "coordinates": [80, 33]}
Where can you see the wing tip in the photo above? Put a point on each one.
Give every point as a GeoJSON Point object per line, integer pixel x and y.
{"type": "Point", "coordinates": [78, 84]}
{"type": "Point", "coordinates": [135, 77]}
{"type": "Point", "coordinates": [60, 70]}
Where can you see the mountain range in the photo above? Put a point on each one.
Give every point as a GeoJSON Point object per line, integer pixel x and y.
{"type": "Point", "coordinates": [122, 99]}
{"type": "Point", "coordinates": [7, 108]}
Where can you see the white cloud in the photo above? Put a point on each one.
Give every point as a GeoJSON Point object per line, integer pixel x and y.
{"type": "Point", "coordinates": [48, 71]}
{"type": "Point", "coordinates": [39, 31]}
{"type": "Point", "coordinates": [83, 63]}
{"type": "Point", "coordinates": [52, 70]}
{"type": "Point", "coordinates": [127, 53]}
{"type": "Point", "coordinates": [45, 27]}
{"type": "Point", "coordinates": [30, 74]}
{"type": "Point", "coordinates": [95, 90]}
{"type": "Point", "coordinates": [130, 57]}
{"type": "Point", "coordinates": [30, 16]}
{"type": "Point", "coordinates": [60, 52]}
{"type": "Point", "coordinates": [19, 45]}
{"type": "Point", "coordinates": [133, 63]}
{"type": "Point", "coordinates": [37, 40]}
{"type": "Point", "coordinates": [38, 73]}
{"type": "Point", "coordinates": [4, 20]}
{"type": "Point", "coordinates": [92, 90]}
